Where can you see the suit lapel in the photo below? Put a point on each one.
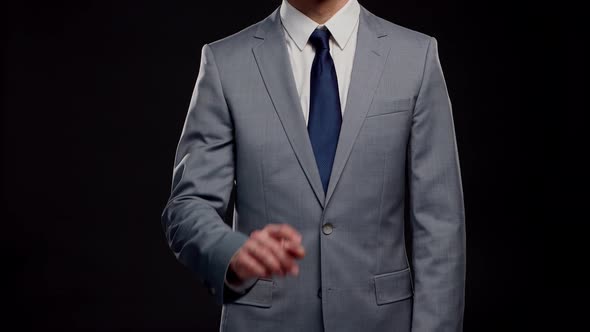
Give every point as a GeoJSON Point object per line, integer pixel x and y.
{"type": "Point", "coordinates": [369, 60]}
{"type": "Point", "coordinates": [273, 62]}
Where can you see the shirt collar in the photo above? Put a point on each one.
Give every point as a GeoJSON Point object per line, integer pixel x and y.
{"type": "Point", "coordinates": [300, 27]}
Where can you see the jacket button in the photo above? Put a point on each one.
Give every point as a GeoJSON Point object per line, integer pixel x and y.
{"type": "Point", "coordinates": [320, 292]}
{"type": "Point", "coordinates": [327, 228]}
{"type": "Point", "coordinates": [212, 291]}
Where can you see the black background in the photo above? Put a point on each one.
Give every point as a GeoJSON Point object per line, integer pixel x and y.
{"type": "Point", "coordinates": [94, 95]}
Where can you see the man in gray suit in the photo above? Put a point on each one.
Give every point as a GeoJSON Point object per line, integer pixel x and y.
{"type": "Point", "coordinates": [334, 128]}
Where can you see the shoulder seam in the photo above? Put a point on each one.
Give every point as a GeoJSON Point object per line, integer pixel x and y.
{"type": "Point", "coordinates": [210, 50]}
{"type": "Point", "coordinates": [430, 41]}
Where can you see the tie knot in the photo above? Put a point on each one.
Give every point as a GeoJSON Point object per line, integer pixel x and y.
{"type": "Point", "coordinates": [319, 39]}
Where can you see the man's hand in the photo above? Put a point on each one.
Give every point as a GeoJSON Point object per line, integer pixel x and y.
{"type": "Point", "coordinates": [271, 250]}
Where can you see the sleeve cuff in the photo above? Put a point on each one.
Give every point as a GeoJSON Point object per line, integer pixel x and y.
{"type": "Point", "coordinates": [219, 263]}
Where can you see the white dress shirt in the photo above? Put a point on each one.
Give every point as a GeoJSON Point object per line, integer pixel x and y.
{"type": "Point", "coordinates": [343, 26]}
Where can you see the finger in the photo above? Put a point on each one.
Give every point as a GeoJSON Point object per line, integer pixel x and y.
{"type": "Point", "coordinates": [294, 249]}
{"type": "Point", "coordinates": [285, 231]}
{"type": "Point", "coordinates": [274, 246]}
{"type": "Point", "coordinates": [247, 266]}
{"type": "Point", "coordinates": [263, 255]}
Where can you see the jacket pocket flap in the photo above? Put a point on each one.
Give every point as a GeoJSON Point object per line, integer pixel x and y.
{"type": "Point", "coordinates": [260, 294]}
{"type": "Point", "coordinates": [384, 105]}
{"type": "Point", "coordinates": [393, 286]}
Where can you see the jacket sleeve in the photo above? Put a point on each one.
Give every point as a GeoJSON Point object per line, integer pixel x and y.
{"type": "Point", "coordinates": [202, 182]}
{"type": "Point", "coordinates": [436, 211]}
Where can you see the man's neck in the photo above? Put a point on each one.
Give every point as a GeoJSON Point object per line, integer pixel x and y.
{"type": "Point", "coordinates": [318, 10]}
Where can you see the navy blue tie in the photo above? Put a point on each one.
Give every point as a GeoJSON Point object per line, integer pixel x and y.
{"type": "Point", "coordinates": [325, 117]}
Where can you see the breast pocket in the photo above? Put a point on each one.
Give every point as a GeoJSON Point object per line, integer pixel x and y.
{"type": "Point", "coordinates": [383, 105]}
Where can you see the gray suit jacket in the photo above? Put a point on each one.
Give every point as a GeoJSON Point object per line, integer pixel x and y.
{"type": "Point", "coordinates": [396, 163]}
